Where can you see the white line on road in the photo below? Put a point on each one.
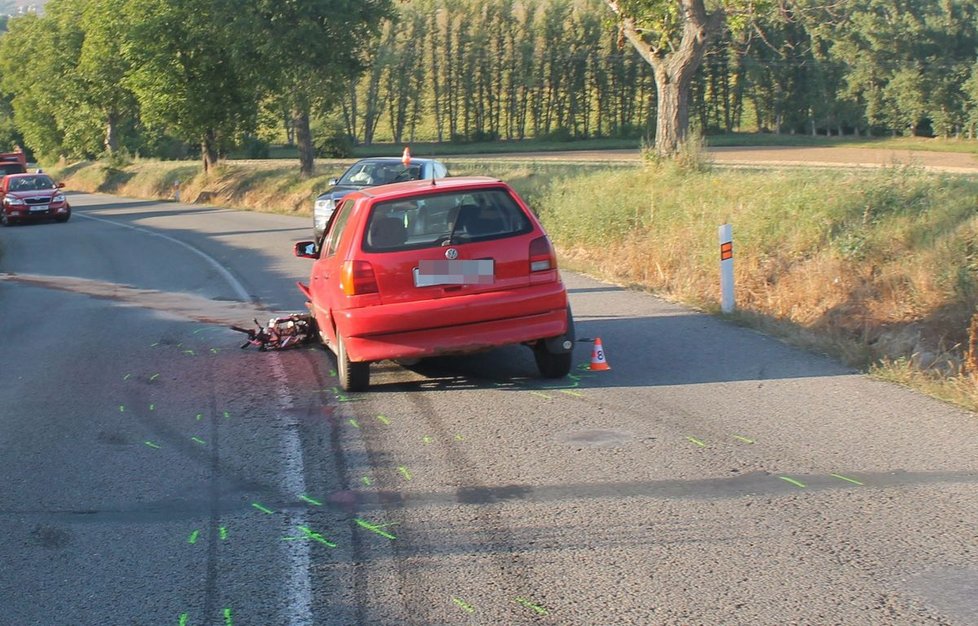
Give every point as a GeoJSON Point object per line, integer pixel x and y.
{"type": "Point", "coordinates": [299, 605]}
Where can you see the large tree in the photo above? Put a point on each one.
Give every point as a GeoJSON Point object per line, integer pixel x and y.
{"type": "Point", "coordinates": [672, 37]}
{"type": "Point", "coordinates": [309, 50]}
{"type": "Point", "coordinates": [194, 69]}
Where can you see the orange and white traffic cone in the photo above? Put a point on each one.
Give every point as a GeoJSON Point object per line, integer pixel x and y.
{"type": "Point", "coordinates": [598, 362]}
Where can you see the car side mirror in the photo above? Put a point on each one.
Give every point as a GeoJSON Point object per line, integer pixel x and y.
{"type": "Point", "coordinates": [306, 250]}
{"type": "Point", "coordinates": [333, 181]}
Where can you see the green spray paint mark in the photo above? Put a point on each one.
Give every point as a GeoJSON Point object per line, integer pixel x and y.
{"type": "Point", "coordinates": [183, 619]}
{"type": "Point", "coordinates": [426, 439]}
{"type": "Point", "coordinates": [153, 345]}
{"type": "Point", "coordinates": [845, 478]}
{"type": "Point", "coordinates": [576, 394]}
{"type": "Point", "coordinates": [214, 350]}
{"type": "Point", "coordinates": [572, 386]}
{"type": "Point", "coordinates": [332, 372]}
{"type": "Point", "coordinates": [792, 481]}
{"type": "Point", "coordinates": [374, 528]}
{"type": "Point", "coordinates": [122, 408]}
{"type": "Point", "coordinates": [316, 537]}
{"type": "Point", "coordinates": [226, 414]}
{"type": "Point", "coordinates": [468, 608]}
{"type": "Point", "coordinates": [542, 395]}
{"type": "Point", "coordinates": [199, 440]}
{"type": "Point", "coordinates": [697, 441]}
{"type": "Point", "coordinates": [151, 444]}
{"type": "Point", "coordinates": [261, 508]}
{"type": "Point", "coordinates": [126, 377]}
{"type": "Point", "coordinates": [458, 438]}
{"type": "Point", "coordinates": [193, 537]}
{"type": "Point", "coordinates": [200, 416]}
{"type": "Point", "coordinates": [384, 420]}
{"type": "Point", "coordinates": [152, 407]}
{"type": "Point", "coordinates": [310, 500]}
{"type": "Point", "coordinates": [224, 532]}
{"type": "Point", "coordinates": [291, 538]}
{"type": "Point", "coordinates": [353, 423]}
{"type": "Point", "coordinates": [154, 377]}
{"type": "Point", "coordinates": [539, 610]}
{"type": "Point", "coordinates": [404, 472]}
{"type": "Point", "coordinates": [366, 481]}
{"type": "Point", "coordinates": [744, 439]}
{"type": "Point", "coordinates": [227, 617]}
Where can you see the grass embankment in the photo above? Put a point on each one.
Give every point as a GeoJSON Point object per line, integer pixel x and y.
{"type": "Point", "coordinates": [878, 268]}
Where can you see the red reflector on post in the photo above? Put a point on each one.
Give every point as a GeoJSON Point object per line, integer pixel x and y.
{"type": "Point", "coordinates": [726, 250]}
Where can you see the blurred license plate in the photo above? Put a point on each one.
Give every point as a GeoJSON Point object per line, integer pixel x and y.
{"type": "Point", "coordinates": [428, 273]}
{"type": "Point", "coordinates": [39, 208]}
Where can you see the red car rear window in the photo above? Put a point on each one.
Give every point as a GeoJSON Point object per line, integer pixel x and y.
{"type": "Point", "coordinates": [441, 219]}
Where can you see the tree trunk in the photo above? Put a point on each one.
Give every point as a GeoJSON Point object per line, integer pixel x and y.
{"type": "Point", "coordinates": [674, 68]}
{"type": "Point", "coordinates": [208, 151]}
{"type": "Point", "coordinates": [111, 138]}
{"type": "Point", "coordinates": [303, 139]}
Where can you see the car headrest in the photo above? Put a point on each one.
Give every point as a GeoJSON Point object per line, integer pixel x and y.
{"type": "Point", "coordinates": [386, 232]}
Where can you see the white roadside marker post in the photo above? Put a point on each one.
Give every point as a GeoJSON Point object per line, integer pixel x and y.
{"type": "Point", "coordinates": [726, 269]}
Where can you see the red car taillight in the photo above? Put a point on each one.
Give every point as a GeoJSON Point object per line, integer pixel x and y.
{"type": "Point", "coordinates": [542, 257]}
{"type": "Point", "coordinates": [357, 278]}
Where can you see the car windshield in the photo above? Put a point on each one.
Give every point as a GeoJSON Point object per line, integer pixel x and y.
{"type": "Point", "coordinates": [31, 183]}
{"type": "Point", "coordinates": [442, 219]}
{"type": "Point", "coordinates": [380, 173]}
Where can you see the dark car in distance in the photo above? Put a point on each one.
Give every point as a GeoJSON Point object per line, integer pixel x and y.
{"type": "Point", "coordinates": [31, 198]}
{"type": "Point", "coordinates": [368, 173]}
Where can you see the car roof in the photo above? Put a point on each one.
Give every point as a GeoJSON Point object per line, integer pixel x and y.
{"type": "Point", "coordinates": [396, 160]}
{"type": "Point", "coordinates": [25, 174]}
{"type": "Point", "coordinates": [428, 187]}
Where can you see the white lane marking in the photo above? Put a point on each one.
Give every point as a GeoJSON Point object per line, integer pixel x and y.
{"type": "Point", "coordinates": [299, 605]}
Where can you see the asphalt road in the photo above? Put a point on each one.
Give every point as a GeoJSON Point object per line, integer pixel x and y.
{"type": "Point", "coordinates": [153, 473]}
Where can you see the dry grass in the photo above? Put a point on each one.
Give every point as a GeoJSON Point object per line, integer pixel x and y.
{"type": "Point", "coordinates": [877, 268]}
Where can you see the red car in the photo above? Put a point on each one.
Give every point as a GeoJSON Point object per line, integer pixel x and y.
{"type": "Point", "coordinates": [429, 268]}
{"type": "Point", "coordinates": [32, 197]}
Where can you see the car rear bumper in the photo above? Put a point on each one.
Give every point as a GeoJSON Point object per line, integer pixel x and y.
{"type": "Point", "coordinates": [458, 339]}
{"type": "Point", "coordinates": [453, 324]}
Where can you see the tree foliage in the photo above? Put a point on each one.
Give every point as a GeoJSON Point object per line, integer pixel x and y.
{"type": "Point", "coordinates": [92, 76]}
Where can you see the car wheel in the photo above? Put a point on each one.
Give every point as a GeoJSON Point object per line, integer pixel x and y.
{"type": "Point", "coordinates": [62, 220]}
{"type": "Point", "coordinates": [552, 365]}
{"type": "Point", "coordinates": [353, 376]}
{"type": "Point", "coordinates": [4, 221]}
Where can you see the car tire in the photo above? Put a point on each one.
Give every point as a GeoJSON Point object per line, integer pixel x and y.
{"type": "Point", "coordinates": [4, 220]}
{"type": "Point", "coordinates": [62, 220]}
{"type": "Point", "coordinates": [353, 376]}
{"type": "Point", "coordinates": [552, 365]}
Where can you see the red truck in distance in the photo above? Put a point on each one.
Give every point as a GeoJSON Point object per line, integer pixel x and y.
{"type": "Point", "coordinates": [12, 163]}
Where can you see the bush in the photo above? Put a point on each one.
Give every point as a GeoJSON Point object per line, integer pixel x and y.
{"type": "Point", "coordinates": [254, 148]}
{"type": "Point", "coordinates": [330, 139]}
